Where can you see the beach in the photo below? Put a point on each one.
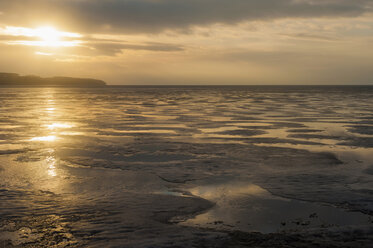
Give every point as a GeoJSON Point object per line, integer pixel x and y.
{"type": "Point", "coordinates": [184, 166]}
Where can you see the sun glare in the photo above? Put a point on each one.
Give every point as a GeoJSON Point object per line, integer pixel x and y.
{"type": "Point", "coordinates": [46, 36]}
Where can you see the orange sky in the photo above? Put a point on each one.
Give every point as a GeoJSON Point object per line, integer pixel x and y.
{"type": "Point", "coordinates": [190, 42]}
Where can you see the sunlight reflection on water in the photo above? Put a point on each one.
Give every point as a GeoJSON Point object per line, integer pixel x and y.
{"type": "Point", "coordinates": [217, 191]}
{"type": "Point", "coordinates": [50, 138]}
{"type": "Point", "coordinates": [51, 166]}
{"type": "Point", "coordinates": [59, 125]}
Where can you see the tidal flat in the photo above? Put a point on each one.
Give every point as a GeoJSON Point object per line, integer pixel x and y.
{"type": "Point", "coordinates": [284, 166]}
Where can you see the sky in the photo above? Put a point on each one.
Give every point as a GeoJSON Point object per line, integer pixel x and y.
{"type": "Point", "coordinates": [230, 42]}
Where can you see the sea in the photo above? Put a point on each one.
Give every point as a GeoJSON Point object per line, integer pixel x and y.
{"type": "Point", "coordinates": [185, 166]}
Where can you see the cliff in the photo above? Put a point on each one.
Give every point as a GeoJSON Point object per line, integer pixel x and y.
{"type": "Point", "coordinates": [13, 79]}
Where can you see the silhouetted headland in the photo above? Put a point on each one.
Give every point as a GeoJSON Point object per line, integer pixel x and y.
{"type": "Point", "coordinates": [15, 80]}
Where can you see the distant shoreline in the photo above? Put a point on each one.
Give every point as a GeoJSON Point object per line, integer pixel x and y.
{"type": "Point", "coordinates": [13, 80]}
{"type": "Point", "coordinates": [49, 86]}
{"type": "Point", "coordinates": [201, 87]}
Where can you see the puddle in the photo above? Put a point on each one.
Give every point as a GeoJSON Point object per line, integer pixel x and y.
{"type": "Point", "coordinates": [250, 208]}
{"type": "Point", "coordinates": [174, 193]}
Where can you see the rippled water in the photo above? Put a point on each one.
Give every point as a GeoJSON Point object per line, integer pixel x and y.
{"type": "Point", "coordinates": [142, 167]}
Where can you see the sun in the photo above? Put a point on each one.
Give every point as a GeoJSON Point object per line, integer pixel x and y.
{"type": "Point", "coordinates": [51, 37]}
{"type": "Point", "coordinates": [43, 36]}
{"type": "Point", "coordinates": [48, 34]}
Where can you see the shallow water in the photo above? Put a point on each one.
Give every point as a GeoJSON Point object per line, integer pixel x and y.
{"type": "Point", "coordinates": [142, 167]}
{"type": "Point", "coordinates": [248, 207]}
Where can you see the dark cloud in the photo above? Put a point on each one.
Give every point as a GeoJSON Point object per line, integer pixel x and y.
{"type": "Point", "coordinates": [311, 37]}
{"type": "Point", "coordinates": [111, 48]}
{"type": "Point", "coordinates": [158, 15]}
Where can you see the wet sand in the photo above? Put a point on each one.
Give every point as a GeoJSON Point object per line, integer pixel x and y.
{"type": "Point", "coordinates": [186, 167]}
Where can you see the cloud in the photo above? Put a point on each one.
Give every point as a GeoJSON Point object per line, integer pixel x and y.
{"type": "Point", "coordinates": [86, 45]}
{"type": "Point", "coordinates": [310, 36]}
{"type": "Point", "coordinates": [111, 48]}
{"type": "Point", "coordinates": [11, 38]}
{"type": "Point", "coordinates": [151, 16]}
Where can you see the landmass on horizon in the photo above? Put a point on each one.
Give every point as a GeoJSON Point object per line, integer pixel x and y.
{"type": "Point", "coordinates": [14, 79]}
